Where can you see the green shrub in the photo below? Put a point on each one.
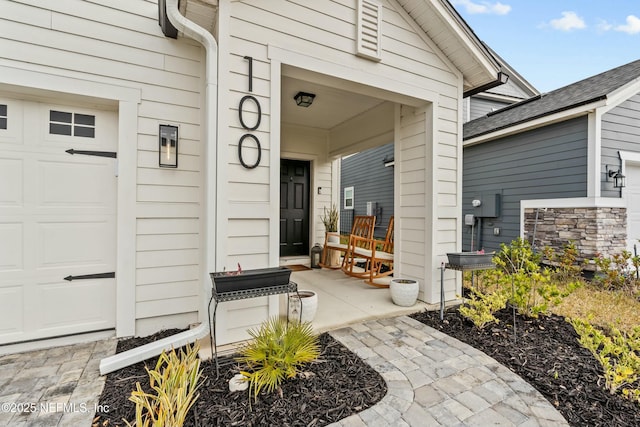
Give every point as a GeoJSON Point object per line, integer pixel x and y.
{"type": "Point", "coordinates": [278, 350]}
{"type": "Point", "coordinates": [618, 353]}
{"type": "Point", "coordinates": [480, 307]}
{"type": "Point", "coordinates": [532, 288]}
{"type": "Point", "coordinates": [617, 272]}
{"type": "Point", "coordinates": [517, 257]}
{"type": "Point", "coordinates": [566, 267]}
{"type": "Point", "coordinates": [175, 381]}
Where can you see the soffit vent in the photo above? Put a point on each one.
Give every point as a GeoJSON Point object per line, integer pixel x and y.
{"type": "Point", "coordinates": [369, 24]}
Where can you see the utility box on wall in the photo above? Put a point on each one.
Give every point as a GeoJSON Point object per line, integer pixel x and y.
{"type": "Point", "coordinates": [489, 206]}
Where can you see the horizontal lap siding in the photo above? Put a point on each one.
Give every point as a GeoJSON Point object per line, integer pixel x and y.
{"type": "Point", "coordinates": [120, 43]}
{"type": "Point", "coordinates": [372, 181]}
{"type": "Point", "coordinates": [620, 132]}
{"type": "Point", "coordinates": [324, 30]}
{"type": "Point", "coordinates": [545, 163]}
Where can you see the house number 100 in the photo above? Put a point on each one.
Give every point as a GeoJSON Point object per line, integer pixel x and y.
{"type": "Point", "coordinates": [244, 124]}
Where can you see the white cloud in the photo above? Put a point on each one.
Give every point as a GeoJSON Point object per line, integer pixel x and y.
{"type": "Point", "coordinates": [483, 7]}
{"type": "Point", "coordinates": [569, 21]}
{"type": "Point", "coordinates": [631, 27]}
{"type": "Point", "coordinates": [604, 26]}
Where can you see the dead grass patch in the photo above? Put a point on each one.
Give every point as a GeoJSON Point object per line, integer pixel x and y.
{"type": "Point", "coordinates": [601, 307]}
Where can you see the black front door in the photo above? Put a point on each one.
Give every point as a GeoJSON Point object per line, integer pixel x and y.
{"type": "Point", "coordinates": [294, 207]}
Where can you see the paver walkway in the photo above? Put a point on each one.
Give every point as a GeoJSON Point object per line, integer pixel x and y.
{"type": "Point", "coordinates": [433, 380]}
{"type": "Point", "coordinates": [57, 386]}
{"type": "Point", "coordinates": [436, 380]}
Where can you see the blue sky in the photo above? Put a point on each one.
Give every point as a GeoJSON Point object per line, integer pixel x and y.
{"type": "Point", "coordinates": [553, 43]}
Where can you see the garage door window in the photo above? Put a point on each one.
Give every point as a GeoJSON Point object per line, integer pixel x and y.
{"type": "Point", "coordinates": [3, 116]}
{"type": "Point", "coordinates": [72, 124]}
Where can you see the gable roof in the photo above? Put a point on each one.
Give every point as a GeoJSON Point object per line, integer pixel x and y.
{"type": "Point", "coordinates": [584, 92]}
{"type": "Point", "coordinates": [453, 36]}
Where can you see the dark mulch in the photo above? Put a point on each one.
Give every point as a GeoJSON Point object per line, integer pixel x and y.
{"type": "Point", "coordinates": [547, 354]}
{"type": "Point", "coordinates": [338, 385]}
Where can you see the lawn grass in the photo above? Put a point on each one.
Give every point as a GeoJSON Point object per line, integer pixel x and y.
{"type": "Point", "coordinates": [602, 308]}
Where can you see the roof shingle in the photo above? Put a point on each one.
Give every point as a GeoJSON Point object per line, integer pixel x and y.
{"type": "Point", "coordinates": [583, 92]}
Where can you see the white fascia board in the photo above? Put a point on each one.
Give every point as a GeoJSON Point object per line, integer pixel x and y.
{"type": "Point", "coordinates": [622, 94]}
{"type": "Point", "coordinates": [467, 38]}
{"type": "Point", "coordinates": [536, 123]}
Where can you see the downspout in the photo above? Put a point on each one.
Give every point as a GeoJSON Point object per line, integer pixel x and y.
{"type": "Point", "coordinates": [194, 31]}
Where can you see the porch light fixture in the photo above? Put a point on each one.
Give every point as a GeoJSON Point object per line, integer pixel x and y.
{"type": "Point", "coordinates": [619, 180]}
{"type": "Point", "coordinates": [304, 99]}
{"type": "Point", "coordinates": [168, 146]}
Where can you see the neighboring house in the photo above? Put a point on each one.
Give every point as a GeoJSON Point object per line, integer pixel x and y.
{"type": "Point", "coordinates": [255, 167]}
{"type": "Point", "coordinates": [366, 178]}
{"type": "Point", "coordinates": [545, 168]}
{"type": "Point", "coordinates": [366, 182]}
{"type": "Point", "coordinates": [484, 101]}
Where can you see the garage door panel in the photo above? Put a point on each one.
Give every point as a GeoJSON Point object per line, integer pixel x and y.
{"type": "Point", "coordinates": [11, 177]}
{"type": "Point", "coordinates": [14, 122]}
{"type": "Point", "coordinates": [83, 128]}
{"type": "Point", "coordinates": [74, 244]}
{"type": "Point", "coordinates": [11, 249]}
{"type": "Point", "coordinates": [73, 184]}
{"type": "Point", "coordinates": [11, 303]}
{"type": "Point", "coordinates": [57, 219]}
{"type": "Point", "coordinates": [75, 306]}
{"type": "Point", "coordinates": [633, 205]}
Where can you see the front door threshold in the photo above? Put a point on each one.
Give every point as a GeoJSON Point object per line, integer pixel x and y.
{"type": "Point", "coordinates": [295, 260]}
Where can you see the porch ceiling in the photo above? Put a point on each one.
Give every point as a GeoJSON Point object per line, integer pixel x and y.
{"type": "Point", "coordinates": [331, 107]}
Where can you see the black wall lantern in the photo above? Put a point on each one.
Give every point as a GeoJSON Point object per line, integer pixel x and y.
{"type": "Point", "coordinates": [619, 180]}
{"type": "Point", "coordinates": [168, 146]}
{"type": "Point", "coordinates": [304, 99]}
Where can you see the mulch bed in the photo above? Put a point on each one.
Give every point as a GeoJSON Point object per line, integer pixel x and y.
{"type": "Point", "coordinates": [338, 385]}
{"type": "Point", "coordinates": [546, 353]}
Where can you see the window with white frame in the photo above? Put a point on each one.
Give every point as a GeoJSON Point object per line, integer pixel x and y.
{"type": "Point", "coordinates": [348, 197]}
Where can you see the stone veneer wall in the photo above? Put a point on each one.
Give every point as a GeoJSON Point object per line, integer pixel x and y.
{"type": "Point", "coordinates": [593, 230]}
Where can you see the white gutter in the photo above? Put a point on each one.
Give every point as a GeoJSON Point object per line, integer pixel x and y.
{"type": "Point", "coordinates": [194, 31]}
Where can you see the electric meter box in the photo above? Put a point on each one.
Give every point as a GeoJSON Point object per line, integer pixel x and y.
{"type": "Point", "coordinates": [490, 206]}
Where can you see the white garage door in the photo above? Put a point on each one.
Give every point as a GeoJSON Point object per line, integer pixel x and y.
{"type": "Point", "coordinates": [57, 219]}
{"type": "Point", "coordinates": [632, 172]}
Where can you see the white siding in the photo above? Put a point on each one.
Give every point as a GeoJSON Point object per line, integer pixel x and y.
{"type": "Point", "coordinates": [327, 30]}
{"type": "Point", "coordinates": [121, 44]}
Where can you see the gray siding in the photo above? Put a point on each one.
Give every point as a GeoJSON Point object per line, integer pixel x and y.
{"type": "Point", "coordinates": [371, 182]}
{"type": "Point", "coordinates": [620, 132]}
{"type": "Point", "coordinates": [510, 88]}
{"type": "Point", "coordinates": [544, 163]}
{"type": "Point", "coordinates": [480, 106]}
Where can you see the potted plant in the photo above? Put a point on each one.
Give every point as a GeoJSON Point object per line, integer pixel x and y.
{"type": "Point", "coordinates": [404, 292]}
{"type": "Point", "coordinates": [330, 221]}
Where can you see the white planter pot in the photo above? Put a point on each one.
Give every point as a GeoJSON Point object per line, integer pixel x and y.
{"type": "Point", "coordinates": [404, 292]}
{"type": "Point", "coordinates": [307, 304]}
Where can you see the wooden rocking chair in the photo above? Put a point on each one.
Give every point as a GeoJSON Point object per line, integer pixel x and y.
{"type": "Point", "coordinates": [362, 227]}
{"type": "Point", "coordinates": [376, 256]}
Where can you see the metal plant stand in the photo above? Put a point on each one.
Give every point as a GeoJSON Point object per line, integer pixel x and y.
{"type": "Point", "coordinates": [458, 267]}
{"type": "Point", "coordinates": [219, 297]}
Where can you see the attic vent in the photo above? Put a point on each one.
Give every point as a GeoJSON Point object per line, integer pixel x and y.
{"type": "Point", "coordinates": [369, 23]}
